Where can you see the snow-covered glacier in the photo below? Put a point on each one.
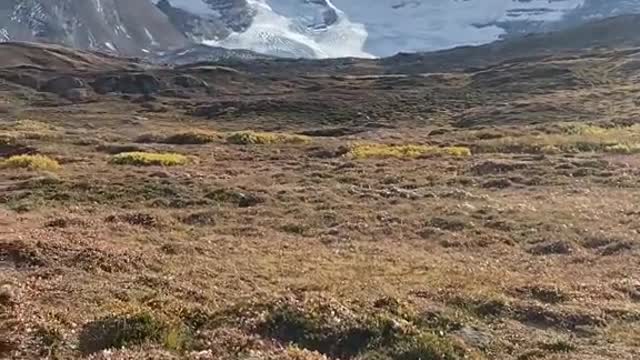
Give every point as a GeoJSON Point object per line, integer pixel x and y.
{"type": "Point", "coordinates": [371, 28]}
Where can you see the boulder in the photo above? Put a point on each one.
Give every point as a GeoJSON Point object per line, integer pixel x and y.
{"type": "Point", "coordinates": [190, 81]}
{"type": "Point", "coordinates": [62, 84]}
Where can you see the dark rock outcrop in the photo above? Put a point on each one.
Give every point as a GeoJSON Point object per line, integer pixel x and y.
{"type": "Point", "coordinates": [129, 83]}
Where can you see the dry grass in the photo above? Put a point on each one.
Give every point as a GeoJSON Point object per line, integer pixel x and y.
{"type": "Point", "coordinates": [32, 162]}
{"type": "Point", "coordinates": [32, 130]}
{"type": "Point", "coordinates": [623, 333]}
{"type": "Point", "coordinates": [623, 148]}
{"type": "Point", "coordinates": [366, 151]}
{"type": "Point", "coordinates": [148, 159]}
{"type": "Point", "coordinates": [31, 125]}
{"type": "Point", "coordinates": [262, 138]}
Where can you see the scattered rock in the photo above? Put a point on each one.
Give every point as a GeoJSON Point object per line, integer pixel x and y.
{"type": "Point", "coordinates": [9, 150]}
{"type": "Point", "coordinates": [136, 219]}
{"type": "Point", "coordinates": [630, 288]}
{"type": "Point", "coordinates": [21, 255]}
{"type": "Point", "coordinates": [153, 108]}
{"type": "Point", "coordinates": [240, 198]}
{"type": "Point", "coordinates": [145, 98]}
{"type": "Point", "coordinates": [23, 79]}
{"type": "Point", "coordinates": [7, 295]}
{"type": "Point", "coordinates": [333, 132]}
{"type": "Point", "coordinates": [131, 83]}
{"type": "Point", "coordinates": [501, 225]}
{"type": "Point", "coordinates": [497, 167]}
{"type": "Point", "coordinates": [175, 93]}
{"type": "Point", "coordinates": [64, 223]}
{"type": "Point", "coordinates": [544, 315]}
{"type": "Point", "coordinates": [160, 174]}
{"type": "Point", "coordinates": [497, 184]}
{"type": "Point", "coordinates": [616, 248]}
{"type": "Point", "coordinates": [448, 224]}
{"type": "Point", "coordinates": [440, 131]}
{"type": "Point", "coordinates": [113, 149]}
{"type": "Point", "coordinates": [559, 247]}
{"type": "Point", "coordinates": [190, 81]}
{"type": "Point", "coordinates": [77, 95]}
{"type": "Point", "coordinates": [546, 294]}
{"type": "Point", "coordinates": [473, 337]}
{"type": "Point", "coordinates": [202, 218]}
{"type": "Point", "coordinates": [61, 85]}
{"type": "Point", "coordinates": [431, 233]}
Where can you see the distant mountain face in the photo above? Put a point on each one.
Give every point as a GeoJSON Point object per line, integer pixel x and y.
{"type": "Point", "coordinates": [132, 27]}
{"type": "Point", "coordinates": [197, 53]}
{"type": "Point", "coordinates": [290, 28]}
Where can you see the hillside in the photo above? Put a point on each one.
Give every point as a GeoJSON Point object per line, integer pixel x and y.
{"type": "Point", "coordinates": [59, 58]}
{"type": "Point", "coordinates": [321, 210]}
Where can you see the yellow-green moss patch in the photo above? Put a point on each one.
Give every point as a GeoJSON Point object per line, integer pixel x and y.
{"type": "Point", "coordinates": [366, 151]}
{"type": "Point", "coordinates": [147, 159]}
{"type": "Point", "coordinates": [253, 137]}
{"type": "Point", "coordinates": [33, 162]}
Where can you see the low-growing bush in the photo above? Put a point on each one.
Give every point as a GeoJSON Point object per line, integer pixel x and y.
{"type": "Point", "coordinates": [352, 332]}
{"type": "Point", "coordinates": [191, 137]}
{"type": "Point", "coordinates": [623, 149]}
{"type": "Point", "coordinates": [149, 138]}
{"type": "Point", "coordinates": [33, 162]}
{"type": "Point", "coordinates": [365, 151]}
{"type": "Point", "coordinates": [147, 159]}
{"type": "Point", "coordinates": [558, 346]}
{"type": "Point", "coordinates": [195, 137]}
{"type": "Point", "coordinates": [253, 137]}
{"type": "Point", "coordinates": [119, 331]}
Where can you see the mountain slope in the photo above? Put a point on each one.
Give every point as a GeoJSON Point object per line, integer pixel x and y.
{"type": "Point", "coordinates": [59, 58]}
{"type": "Point", "coordinates": [131, 27]}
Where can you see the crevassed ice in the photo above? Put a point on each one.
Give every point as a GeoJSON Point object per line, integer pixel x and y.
{"type": "Point", "coordinates": [285, 33]}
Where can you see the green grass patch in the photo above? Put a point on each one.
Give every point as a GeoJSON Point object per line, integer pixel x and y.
{"type": "Point", "coordinates": [137, 158]}
{"type": "Point", "coordinates": [262, 138]}
{"type": "Point", "coordinates": [366, 151]}
{"type": "Point", "coordinates": [31, 162]}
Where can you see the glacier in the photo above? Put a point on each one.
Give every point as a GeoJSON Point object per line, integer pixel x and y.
{"type": "Point", "coordinates": [351, 28]}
